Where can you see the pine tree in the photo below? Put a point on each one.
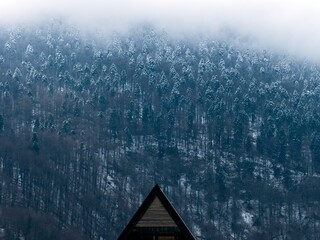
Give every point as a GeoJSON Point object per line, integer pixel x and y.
{"type": "Point", "coordinates": [35, 142]}
{"type": "Point", "coordinates": [1, 123]}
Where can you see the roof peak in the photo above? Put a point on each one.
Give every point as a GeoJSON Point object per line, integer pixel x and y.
{"type": "Point", "coordinates": [156, 192]}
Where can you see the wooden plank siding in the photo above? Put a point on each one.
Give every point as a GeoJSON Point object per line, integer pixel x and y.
{"type": "Point", "coordinates": [156, 216]}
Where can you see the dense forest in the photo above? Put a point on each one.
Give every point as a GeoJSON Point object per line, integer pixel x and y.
{"type": "Point", "coordinates": [89, 124]}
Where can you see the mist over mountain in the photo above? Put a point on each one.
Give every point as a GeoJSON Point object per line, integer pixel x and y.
{"type": "Point", "coordinates": [89, 124]}
{"type": "Point", "coordinates": [287, 26]}
{"type": "Point", "coordinates": [216, 101]}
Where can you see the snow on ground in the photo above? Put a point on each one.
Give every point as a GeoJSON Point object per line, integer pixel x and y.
{"type": "Point", "coordinates": [247, 218]}
{"type": "Point", "coordinates": [196, 231]}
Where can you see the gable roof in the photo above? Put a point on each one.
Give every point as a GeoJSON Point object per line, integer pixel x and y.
{"type": "Point", "coordinates": [153, 197]}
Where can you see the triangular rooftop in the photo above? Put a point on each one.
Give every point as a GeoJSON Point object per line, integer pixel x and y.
{"type": "Point", "coordinates": [157, 216]}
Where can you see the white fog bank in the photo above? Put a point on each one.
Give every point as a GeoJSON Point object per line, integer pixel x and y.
{"type": "Point", "coordinates": [291, 26]}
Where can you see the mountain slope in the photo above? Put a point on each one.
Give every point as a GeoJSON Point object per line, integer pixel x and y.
{"type": "Point", "coordinates": [88, 126]}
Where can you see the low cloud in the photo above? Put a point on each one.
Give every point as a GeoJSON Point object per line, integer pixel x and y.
{"type": "Point", "coordinates": [291, 26]}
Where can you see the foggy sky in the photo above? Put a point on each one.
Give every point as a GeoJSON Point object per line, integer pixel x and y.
{"type": "Point", "coordinates": [291, 26]}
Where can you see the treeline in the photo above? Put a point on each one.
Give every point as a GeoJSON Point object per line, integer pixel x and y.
{"type": "Point", "coordinates": [88, 125]}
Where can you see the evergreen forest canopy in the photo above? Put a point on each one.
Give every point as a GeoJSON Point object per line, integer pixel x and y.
{"type": "Point", "coordinates": [88, 127]}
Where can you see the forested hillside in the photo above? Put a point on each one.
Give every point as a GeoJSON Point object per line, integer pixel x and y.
{"type": "Point", "coordinates": [89, 124]}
